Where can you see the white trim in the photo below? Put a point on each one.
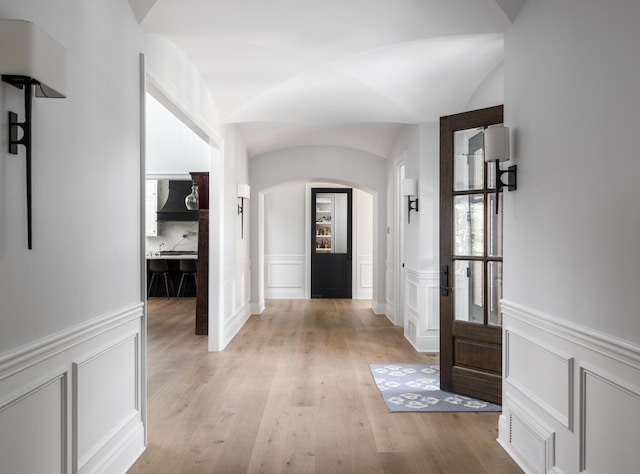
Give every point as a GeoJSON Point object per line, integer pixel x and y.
{"type": "Point", "coordinates": [31, 354]}
{"type": "Point", "coordinates": [617, 383]}
{"type": "Point", "coordinates": [604, 344]}
{"type": "Point", "coordinates": [565, 418]}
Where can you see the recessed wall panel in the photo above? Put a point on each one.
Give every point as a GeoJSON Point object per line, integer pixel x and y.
{"type": "Point", "coordinates": [530, 365]}
{"type": "Point", "coordinates": [33, 429]}
{"type": "Point", "coordinates": [106, 393]}
{"type": "Point", "coordinates": [609, 408]}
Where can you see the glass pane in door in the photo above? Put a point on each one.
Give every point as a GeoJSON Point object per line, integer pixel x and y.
{"type": "Point", "coordinates": [468, 159]}
{"type": "Point", "coordinates": [468, 285]}
{"type": "Point", "coordinates": [468, 225]}
{"type": "Point", "coordinates": [494, 279]}
{"type": "Point", "coordinates": [494, 224]}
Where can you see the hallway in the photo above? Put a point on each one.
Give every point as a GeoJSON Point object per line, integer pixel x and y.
{"type": "Point", "coordinates": [293, 393]}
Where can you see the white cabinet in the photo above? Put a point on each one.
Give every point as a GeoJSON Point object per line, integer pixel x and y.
{"type": "Point", "coordinates": [150, 208]}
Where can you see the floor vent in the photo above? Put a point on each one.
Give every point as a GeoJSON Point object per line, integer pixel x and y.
{"type": "Point", "coordinates": [532, 445]}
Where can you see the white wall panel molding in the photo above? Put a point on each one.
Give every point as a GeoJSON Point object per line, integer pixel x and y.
{"type": "Point", "coordinates": [38, 351]}
{"type": "Point", "coordinates": [581, 384]}
{"type": "Point", "coordinates": [522, 355]}
{"type": "Point", "coordinates": [285, 276]}
{"type": "Point", "coordinates": [390, 295]}
{"type": "Point", "coordinates": [608, 404]}
{"type": "Point", "coordinates": [590, 339]}
{"type": "Point", "coordinates": [422, 309]}
{"type": "Point", "coordinates": [106, 399]}
{"type": "Point", "coordinates": [46, 400]}
{"type": "Point", "coordinates": [81, 391]}
{"type": "Point", "coordinates": [364, 277]}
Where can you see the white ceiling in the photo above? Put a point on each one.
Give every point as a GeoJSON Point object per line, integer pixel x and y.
{"type": "Point", "coordinates": [334, 72]}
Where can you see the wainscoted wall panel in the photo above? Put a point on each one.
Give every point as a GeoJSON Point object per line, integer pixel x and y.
{"type": "Point", "coordinates": [390, 298]}
{"type": "Point", "coordinates": [422, 310]}
{"type": "Point", "coordinates": [581, 386]}
{"type": "Point", "coordinates": [284, 276]}
{"type": "Point", "coordinates": [600, 419]}
{"type": "Point", "coordinates": [525, 357]}
{"type": "Point", "coordinates": [83, 386]}
{"type": "Point", "coordinates": [106, 387]}
{"type": "Point", "coordinates": [364, 277]}
{"type": "Point", "coordinates": [43, 447]}
{"type": "Point", "coordinates": [239, 305]}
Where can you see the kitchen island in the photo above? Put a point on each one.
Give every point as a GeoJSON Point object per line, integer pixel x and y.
{"type": "Point", "coordinates": [173, 262]}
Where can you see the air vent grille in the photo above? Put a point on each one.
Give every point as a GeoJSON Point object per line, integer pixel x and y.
{"type": "Point", "coordinates": [529, 445]}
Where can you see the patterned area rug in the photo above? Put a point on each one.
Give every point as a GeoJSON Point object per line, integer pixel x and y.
{"type": "Point", "coordinates": [416, 387]}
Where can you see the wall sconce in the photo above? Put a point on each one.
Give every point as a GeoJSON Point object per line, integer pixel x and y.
{"type": "Point", "coordinates": [410, 188]}
{"type": "Point", "coordinates": [243, 192]}
{"type": "Point", "coordinates": [29, 58]}
{"type": "Point", "coordinates": [192, 201]}
{"type": "Point", "coordinates": [496, 149]}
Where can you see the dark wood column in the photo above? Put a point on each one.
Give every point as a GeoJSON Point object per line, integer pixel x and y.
{"type": "Point", "coordinates": [202, 294]}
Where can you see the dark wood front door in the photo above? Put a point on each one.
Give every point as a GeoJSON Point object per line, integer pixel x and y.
{"type": "Point", "coordinates": [470, 259]}
{"type": "Point", "coordinates": [331, 243]}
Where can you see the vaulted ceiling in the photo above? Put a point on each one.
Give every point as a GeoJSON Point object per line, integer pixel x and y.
{"type": "Point", "coordinates": [334, 72]}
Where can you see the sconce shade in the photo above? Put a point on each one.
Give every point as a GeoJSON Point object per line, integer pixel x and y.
{"type": "Point", "coordinates": [243, 191]}
{"type": "Point", "coordinates": [26, 50]}
{"type": "Point", "coordinates": [409, 187]}
{"type": "Point", "coordinates": [496, 143]}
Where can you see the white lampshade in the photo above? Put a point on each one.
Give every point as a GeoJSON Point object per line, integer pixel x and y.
{"type": "Point", "coordinates": [244, 191]}
{"type": "Point", "coordinates": [409, 187]}
{"type": "Point", "coordinates": [496, 143]}
{"type": "Point", "coordinates": [26, 50]}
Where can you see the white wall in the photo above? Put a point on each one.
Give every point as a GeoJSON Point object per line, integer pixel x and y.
{"type": "Point", "coordinates": [571, 262]}
{"type": "Point", "coordinates": [328, 164]}
{"type": "Point", "coordinates": [71, 311]}
{"type": "Point", "coordinates": [72, 345]}
{"type": "Point", "coordinates": [418, 146]}
{"type": "Point", "coordinates": [229, 260]}
{"type": "Point", "coordinates": [172, 148]}
{"type": "Point", "coordinates": [286, 247]}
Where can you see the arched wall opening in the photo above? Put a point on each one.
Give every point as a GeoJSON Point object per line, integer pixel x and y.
{"type": "Point", "coordinates": [328, 165]}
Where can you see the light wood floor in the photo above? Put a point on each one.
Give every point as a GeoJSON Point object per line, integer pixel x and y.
{"type": "Point", "coordinates": [292, 393]}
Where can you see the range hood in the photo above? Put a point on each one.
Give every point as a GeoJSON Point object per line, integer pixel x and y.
{"type": "Point", "coordinates": [175, 208]}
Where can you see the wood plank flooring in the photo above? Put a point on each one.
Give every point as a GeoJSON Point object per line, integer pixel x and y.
{"type": "Point", "coordinates": [292, 393]}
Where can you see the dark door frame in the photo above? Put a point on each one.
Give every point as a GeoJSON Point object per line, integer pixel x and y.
{"type": "Point", "coordinates": [475, 341]}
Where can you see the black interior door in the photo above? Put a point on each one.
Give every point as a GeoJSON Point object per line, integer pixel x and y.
{"type": "Point", "coordinates": [331, 243]}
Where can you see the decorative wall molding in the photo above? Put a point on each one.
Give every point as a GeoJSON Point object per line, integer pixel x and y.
{"type": "Point", "coordinates": [597, 388]}
{"type": "Point", "coordinates": [77, 396]}
{"type": "Point", "coordinates": [285, 276]}
{"type": "Point", "coordinates": [588, 338]}
{"type": "Point", "coordinates": [589, 391]}
{"type": "Point", "coordinates": [46, 399]}
{"type": "Point", "coordinates": [42, 349]}
{"type": "Point", "coordinates": [422, 309]}
{"type": "Point", "coordinates": [364, 277]}
{"type": "Point", "coordinates": [557, 398]}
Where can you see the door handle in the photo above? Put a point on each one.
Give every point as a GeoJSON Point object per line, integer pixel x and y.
{"type": "Point", "coordinates": [444, 280]}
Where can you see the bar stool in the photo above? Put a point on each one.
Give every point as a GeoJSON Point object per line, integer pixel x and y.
{"type": "Point", "coordinates": [159, 267]}
{"type": "Point", "coordinates": [188, 267]}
